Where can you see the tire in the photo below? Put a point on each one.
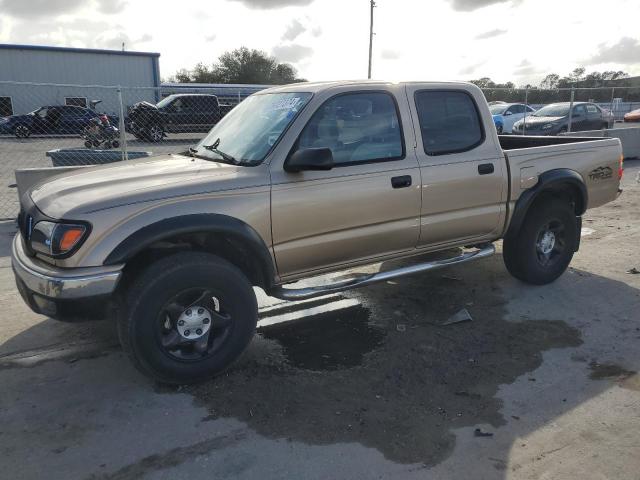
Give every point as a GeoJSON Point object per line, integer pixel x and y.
{"type": "Point", "coordinates": [115, 143]}
{"type": "Point", "coordinates": [155, 133]}
{"type": "Point", "coordinates": [499, 129]}
{"type": "Point", "coordinates": [22, 131]}
{"type": "Point", "coordinates": [160, 297]}
{"type": "Point", "coordinates": [525, 253]}
{"type": "Point", "coordinates": [562, 130]}
{"type": "Point", "coordinates": [88, 144]}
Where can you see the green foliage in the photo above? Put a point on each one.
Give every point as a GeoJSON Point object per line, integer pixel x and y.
{"type": "Point", "coordinates": [240, 66]}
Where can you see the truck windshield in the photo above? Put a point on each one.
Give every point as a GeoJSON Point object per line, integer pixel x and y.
{"type": "Point", "coordinates": [553, 110]}
{"type": "Point", "coordinates": [165, 101]}
{"type": "Point", "coordinates": [248, 132]}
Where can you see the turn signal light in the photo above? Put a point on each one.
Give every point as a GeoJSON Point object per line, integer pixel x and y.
{"type": "Point", "coordinates": [69, 238]}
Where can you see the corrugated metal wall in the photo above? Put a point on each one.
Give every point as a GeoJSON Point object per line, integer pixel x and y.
{"type": "Point", "coordinates": [74, 67]}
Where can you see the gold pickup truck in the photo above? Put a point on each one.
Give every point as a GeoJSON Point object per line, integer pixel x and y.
{"type": "Point", "coordinates": [295, 182]}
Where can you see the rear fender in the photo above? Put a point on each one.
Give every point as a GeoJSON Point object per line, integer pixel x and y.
{"type": "Point", "coordinates": [559, 182]}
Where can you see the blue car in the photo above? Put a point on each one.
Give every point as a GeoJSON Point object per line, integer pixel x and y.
{"type": "Point", "coordinates": [50, 120]}
{"type": "Point", "coordinates": [499, 123]}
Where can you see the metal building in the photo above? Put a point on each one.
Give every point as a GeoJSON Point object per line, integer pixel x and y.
{"type": "Point", "coordinates": [34, 76]}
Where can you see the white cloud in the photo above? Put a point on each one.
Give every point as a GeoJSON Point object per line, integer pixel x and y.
{"type": "Point", "coordinates": [625, 51]}
{"type": "Point", "coordinates": [294, 30]}
{"type": "Point", "coordinates": [292, 53]}
{"type": "Point", "coordinates": [270, 4]}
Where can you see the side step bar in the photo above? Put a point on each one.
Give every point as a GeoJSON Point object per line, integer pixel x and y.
{"type": "Point", "coordinates": [364, 280]}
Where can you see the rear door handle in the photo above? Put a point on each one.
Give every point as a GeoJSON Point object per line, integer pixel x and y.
{"type": "Point", "coordinates": [401, 182]}
{"type": "Point", "coordinates": [485, 168]}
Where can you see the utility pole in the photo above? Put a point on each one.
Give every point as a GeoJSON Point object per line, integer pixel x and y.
{"type": "Point", "coordinates": [373, 4]}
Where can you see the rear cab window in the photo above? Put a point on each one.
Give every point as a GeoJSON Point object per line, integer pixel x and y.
{"type": "Point", "coordinates": [449, 121]}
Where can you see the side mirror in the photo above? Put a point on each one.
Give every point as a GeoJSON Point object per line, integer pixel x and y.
{"type": "Point", "coordinates": [506, 114]}
{"type": "Point", "coordinates": [309, 159]}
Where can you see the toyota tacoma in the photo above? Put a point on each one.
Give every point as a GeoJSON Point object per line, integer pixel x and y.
{"type": "Point", "coordinates": [296, 182]}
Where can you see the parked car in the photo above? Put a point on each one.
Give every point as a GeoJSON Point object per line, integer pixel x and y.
{"type": "Point", "coordinates": [632, 116]}
{"type": "Point", "coordinates": [52, 119]}
{"type": "Point", "coordinates": [554, 119]}
{"type": "Point", "coordinates": [498, 121]}
{"type": "Point", "coordinates": [294, 182]}
{"type": "Point", "coordinates": [174, 114]}
{"type": "Point", "coordinates": [507, 114]}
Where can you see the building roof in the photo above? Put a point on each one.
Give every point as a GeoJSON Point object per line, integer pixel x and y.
{"type": "Point", "coordinates": [46, 48]}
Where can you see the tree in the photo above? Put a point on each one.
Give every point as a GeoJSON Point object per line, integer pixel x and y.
{"type": "Point", "coordinates": [550, 81]}
{"type": "Point", "coordinates": [241, 66]}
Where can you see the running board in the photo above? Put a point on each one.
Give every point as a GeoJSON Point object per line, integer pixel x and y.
{"type": "Point", "coordinates": [364, 280]}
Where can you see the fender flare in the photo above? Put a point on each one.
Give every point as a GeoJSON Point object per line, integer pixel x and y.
{"type": "Point", "coordinates": [548, 181]}
{"type": "Point", "coordinates": [224, 225]}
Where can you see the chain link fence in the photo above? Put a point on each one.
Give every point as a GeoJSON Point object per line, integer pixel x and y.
{"type": "Point", "coordinates": [52, 125]}
{"type": "Point", "coordinates": [45, 125]}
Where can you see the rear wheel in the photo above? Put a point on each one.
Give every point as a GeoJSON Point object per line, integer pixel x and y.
{"type": "Point", "coordinates": [543, 248]}
{"type": "Point", "coordinates": [187, 317]}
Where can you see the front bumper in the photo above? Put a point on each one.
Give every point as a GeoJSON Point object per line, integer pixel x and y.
{"type": "Point", "coordinates": [46, 289]}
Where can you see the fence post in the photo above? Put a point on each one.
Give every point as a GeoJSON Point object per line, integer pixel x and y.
{"type": "Point", "coordinates": [573, 91]}
{"type": "Point", "coordinates": [613, 94]}
{"type": "Point", "coordinates": [524, 119]}
{"type": "Point", "coordinates": [121, 126]}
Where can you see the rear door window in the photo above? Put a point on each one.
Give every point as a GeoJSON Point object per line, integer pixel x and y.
{"type": "Point", "coordinates": [449, 121]}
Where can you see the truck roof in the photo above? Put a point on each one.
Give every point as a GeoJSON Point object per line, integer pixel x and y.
{"type": "Point", "coordinates": [320, 86]}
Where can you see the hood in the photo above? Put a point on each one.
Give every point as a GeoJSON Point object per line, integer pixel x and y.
{"type": "Point", "coordinates": [143, 106]}
{"type": "Point", "coordinates": [533, 120]}
{"type": "Point", "coordinates": [150, 179]}
{"type": "Point", "coordinates": [19, 118]}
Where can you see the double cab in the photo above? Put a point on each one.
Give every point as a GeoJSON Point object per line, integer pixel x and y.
{"type": "Point", "coordinates": [296, 182]}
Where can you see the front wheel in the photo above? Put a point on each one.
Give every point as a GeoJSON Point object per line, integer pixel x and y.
{"type": "Point", "coordinates": [22, 131]}
{"type": "Point", "coordinates": [499, 129]}
{"type": "Point", "coordinates": [155, 133]}
{"type": "Point", "coordinates": [543, 248]}
{"type": "Point", "coordinates": [187, 317]}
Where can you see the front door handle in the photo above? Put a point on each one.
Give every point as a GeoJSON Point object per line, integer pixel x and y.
{"type": "Point", "coordinates": [485, 168]}
{"type": "Point", "coordinates": [401, 182]}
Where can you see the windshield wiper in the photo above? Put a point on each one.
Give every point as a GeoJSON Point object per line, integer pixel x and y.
{"type": "Point", "coordinates": [225, 156]}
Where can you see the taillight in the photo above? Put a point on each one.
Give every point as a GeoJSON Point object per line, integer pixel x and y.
{"type": "Point", "coordinates": [620, 167]}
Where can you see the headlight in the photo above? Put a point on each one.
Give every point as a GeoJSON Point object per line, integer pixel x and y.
{"type": "Point", "coordinates": [57, 239]}
{"type": "Point", "coordinates": [4, 120]}
{"type": "Point", "coordinates": [547, 126]}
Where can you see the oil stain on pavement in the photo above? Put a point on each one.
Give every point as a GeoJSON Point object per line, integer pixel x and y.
{"type": "Point", "coordinates": [349, 374]}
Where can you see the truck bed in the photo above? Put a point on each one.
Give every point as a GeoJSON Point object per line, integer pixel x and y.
{"type": "Point", "coordinates": [512, 142]}
{"type": "Point", "coordinates": [596, 160]}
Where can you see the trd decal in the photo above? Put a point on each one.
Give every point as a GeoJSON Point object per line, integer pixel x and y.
{"type": "Point", "coordinates": [601, 173]}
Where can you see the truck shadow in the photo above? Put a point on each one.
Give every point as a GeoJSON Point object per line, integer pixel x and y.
{"type": "Point", "coordinates": [379, 367]}
{"type": "Point", "coordinates": [386, 372]}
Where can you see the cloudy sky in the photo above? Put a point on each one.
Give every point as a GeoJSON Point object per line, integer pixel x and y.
{"type": "Point", "coordinates": [518, 40]}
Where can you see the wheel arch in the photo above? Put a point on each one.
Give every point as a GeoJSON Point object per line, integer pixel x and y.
{"type": "Point", "coordinates": [561, 182]}
{"type": "Point", "coordinates": [222, 235]}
